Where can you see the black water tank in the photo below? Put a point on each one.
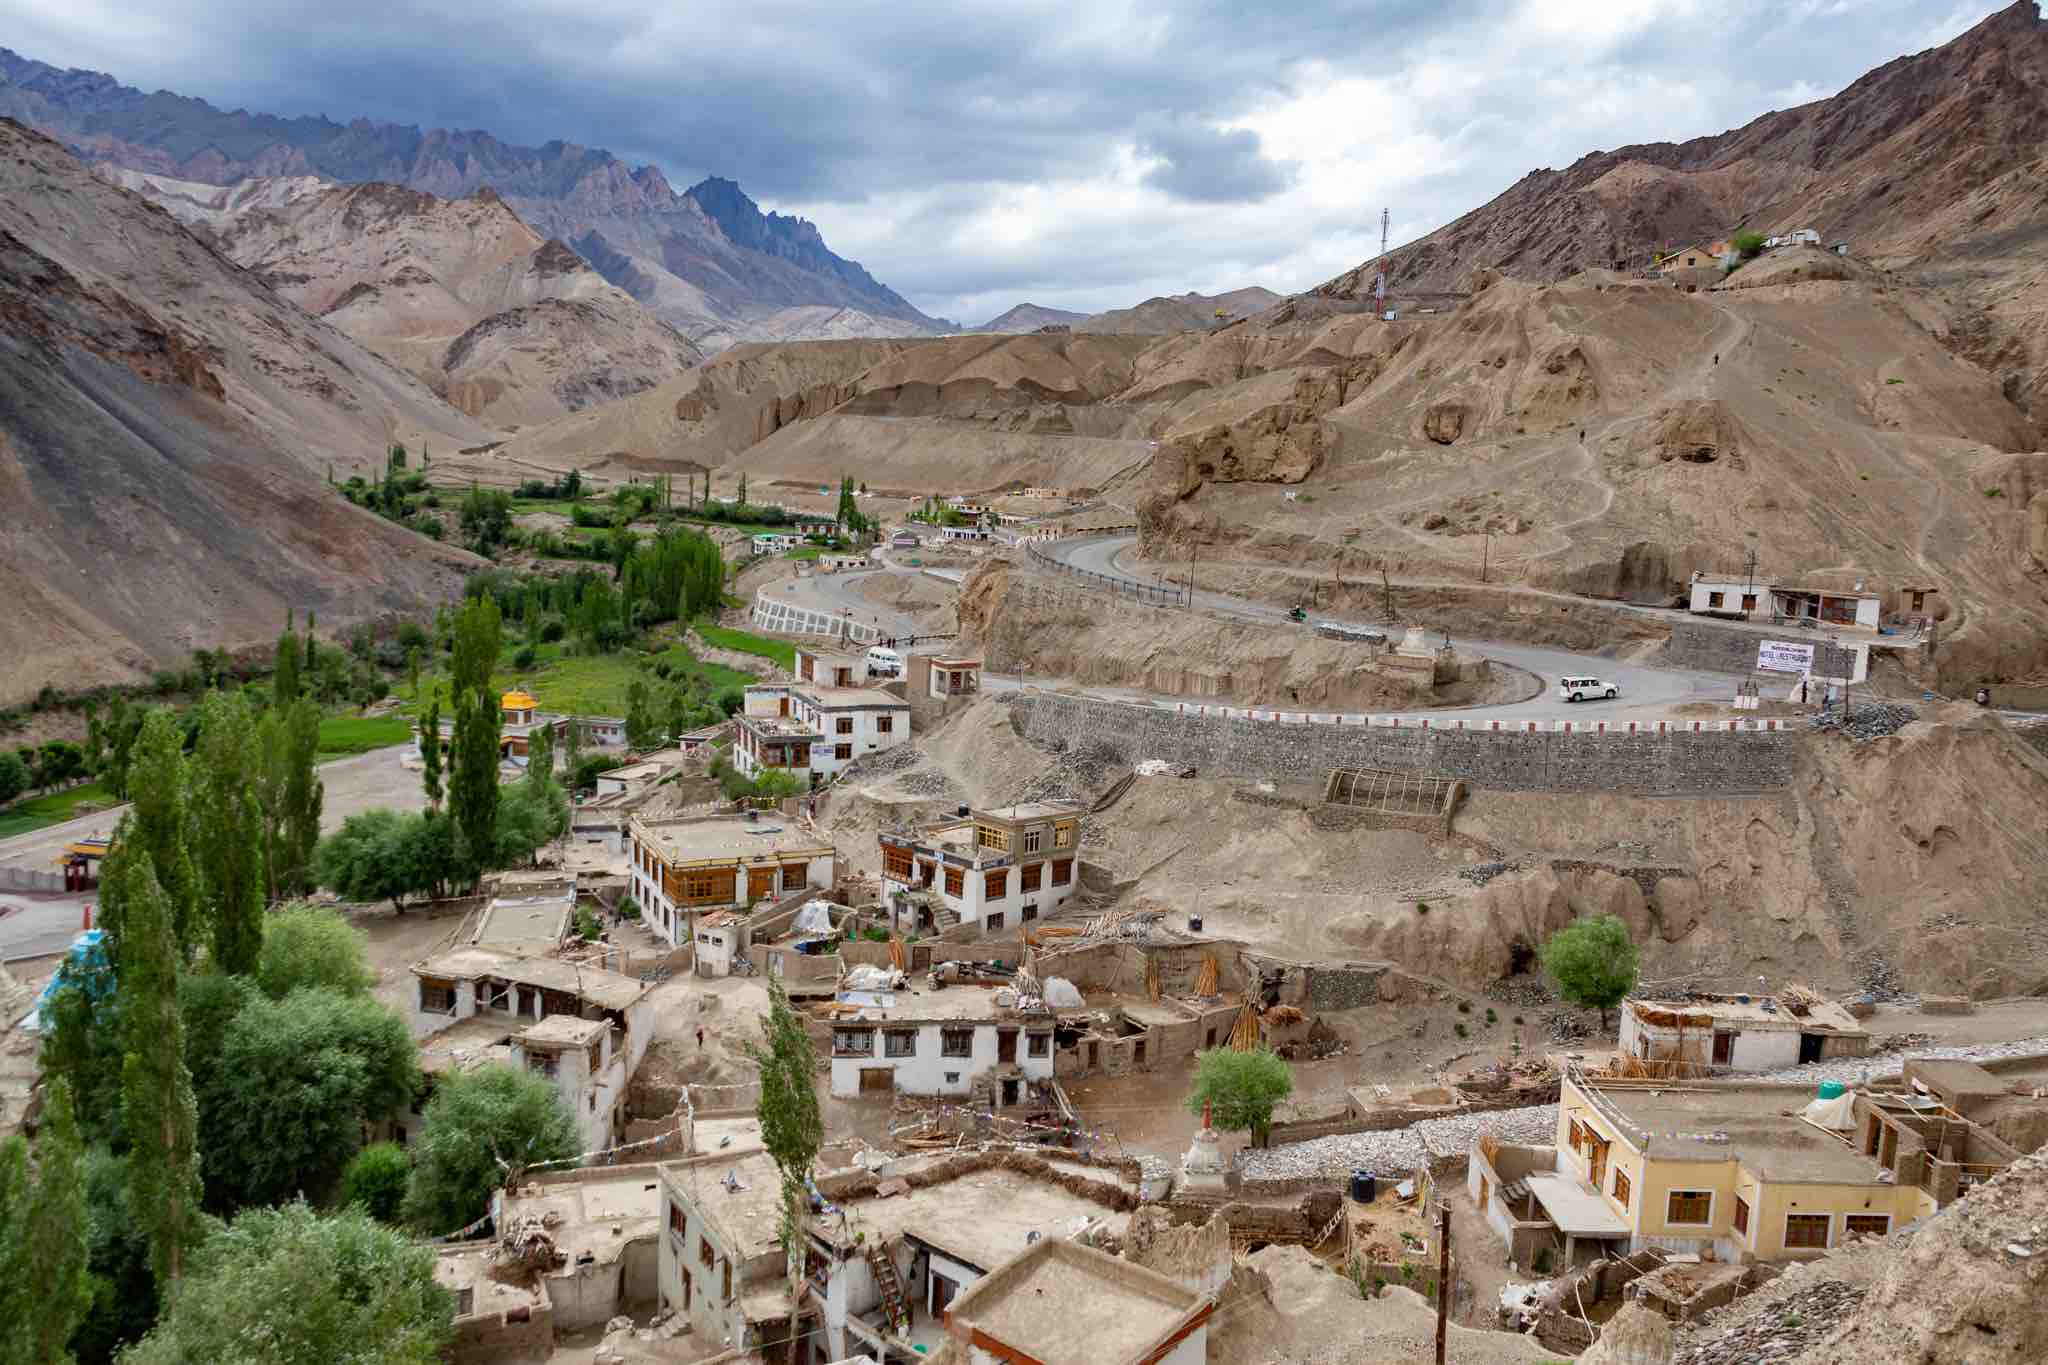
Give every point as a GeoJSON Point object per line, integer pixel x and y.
{"type": "Point", "coordinates": [1194, 924]}
{"type": "Point", "coordinates": [1364, 1187]}
{"type": "Point", "coordinates": [962, 809]}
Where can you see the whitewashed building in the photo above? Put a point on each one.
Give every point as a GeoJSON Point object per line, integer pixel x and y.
{"type": "Point", "coordinates": [681, 869]}
{"type": "Point", "coordinates": [997, 868]}
{"type": "Point", "coordinates": [921, 1042]}
{"type": "Point", "coordinates": [816, 730]}
{"type": "Point", "coordinates": [1740, 1033]}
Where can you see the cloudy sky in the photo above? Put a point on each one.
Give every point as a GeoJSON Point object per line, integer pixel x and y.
{"type": "Point", "coordinates": [1078, 155]}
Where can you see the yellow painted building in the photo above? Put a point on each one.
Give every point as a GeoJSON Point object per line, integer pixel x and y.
{"type": "Point", "coordinates": [1730, 1169]}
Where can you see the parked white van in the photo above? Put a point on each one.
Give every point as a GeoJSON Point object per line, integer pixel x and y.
{"type": "Point", "coordinates": [1578, 689]}
{"type": "Point", "coordinates": [884, 663]}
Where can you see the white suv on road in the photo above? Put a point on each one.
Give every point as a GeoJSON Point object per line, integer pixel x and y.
{"type": "Point", "coordinates": [1578, 689]}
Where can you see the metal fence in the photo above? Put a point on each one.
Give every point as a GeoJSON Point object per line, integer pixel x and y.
{"type": "Point", "coordinates": [1148, 593]}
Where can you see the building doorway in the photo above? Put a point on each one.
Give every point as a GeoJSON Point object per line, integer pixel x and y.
{"type": "Point", "coordinates": [877, 1080]}
{"type": "Point", "coordinates": [1006, 1047]}
{"type": "Point", "coordinates": [1811, 1045]}
{"type": "Point", "coordinates": [1724, 1049]}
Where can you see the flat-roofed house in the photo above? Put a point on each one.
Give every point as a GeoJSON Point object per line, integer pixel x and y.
{"type": "Point", "coordinates": [945, 1042]}
{"type": "Point", "coordinates": [683, 868]}
{"type": "Point", "coordinates": [1740, 1033]}
{"type": "Point", "coordinates": [814, 730]}
{"type": "Point", "coordinates": [1059, 1303]}
{"type": "Point", "coordinates": [997, 867]}
{"type": "Point", "coordinates": [1732, 1169]}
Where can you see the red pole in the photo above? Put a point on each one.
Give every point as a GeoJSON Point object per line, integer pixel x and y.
{"type": "Point", "coordinates": [88, 916]}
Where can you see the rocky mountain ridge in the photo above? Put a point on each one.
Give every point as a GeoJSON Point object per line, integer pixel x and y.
{"type": "Point", "coordinates": [705, 259]}
{"type": "Point", "coordinates": [510, 327]}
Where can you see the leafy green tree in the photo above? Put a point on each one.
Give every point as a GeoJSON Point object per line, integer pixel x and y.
{"type": "Point", "coordinates": [1747, 244]}
{"type": "Point", "coordinates": [313, 946]}
{"type": "Point", "coordinates": [124, 1298]}
{"type": "Point", "coordinates": [156, 1089]}
{"type": "Point", "coordinates": [159, 829]}
{"type": "Point", "coordinates": [643, 728]}
{"type": "Point", "coordinates": [473, 767]}
{"type": "Point", "coordinates": [1592, 962]}
{"type": "Point", "coordinates": [229, 828]}
{"type": "Point", "coordinates": [284, 685]}
{"type": "Point", "coordinates": [430, 751]}
{"type": "Point", "coordinates": [476, 1120]}
{"type": "Point", "coordinates": [375, 1181]}
{"type": "Point", "coordinates": [288, 1286]}
{"type": "Point", "coordinates": [383, 854]}
{"type": "Point", "coordinates": [414, 659]}
{"type": "Point", "coordinates": [540, 757]}
{"type": "Point", "coordinates": [297, 1081]}
{"type": "Point", "coordinates": [14, 775]}
{"type": "Point", "coordinates": [486, 518]}
{"type": "Point", "coordinates": [44, 1293]}
{"type": "Point", "coordinates": [1241, 1089]}
{"type": "Point", "coordinates": [82, 1038]}
{"type": "Point", "coordinates": [792, 1128]}
{"type": "Point", "coordinates": [289, 792]}
{"type": "Point", "coordinates": [743, 489]}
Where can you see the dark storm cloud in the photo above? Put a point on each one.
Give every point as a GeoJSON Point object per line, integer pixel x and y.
{"type": "Point", "coordinates": [1210, 166]}
{"type": "Point", "coordinates": [896, 126]}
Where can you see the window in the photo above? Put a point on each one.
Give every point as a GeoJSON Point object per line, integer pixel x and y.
{"type": "Point", "coordinates": [1621, 1188]}
{"type": "Point", "coordinates": [727, 1270]}
{"type": "Point", "coordinates": [542, 1064]}
{"type": "Point", "coordinates": [1063, 834]}
{"type": "Point", "coordinates": [899, 1042]}
{"type": "Point", "coordinates": [705, 1255]}
{"type": "Point", "coordinates": [1038, 1044]}
{"type": "Point", "coordinates": [1741, 1216]}
{"type": "Point", "coordinates": [1714, 599]}
{"type": "Point", "coordinates": [988, 836]}
{"type": "Point", "coordinates": [1030, 912]}
{"type": "Point", "coordinates": [675, 1219]}
{"type": "Point", "coordinates": [994, 921]}
{"type": "Point", "coordinates": [885, 725]}
{"type": "Point", "coordinates": [1691, 1207]}
{"type": "Point", "coordinates": [896, 864]}
{"type": "Point", "coordinates": [843, 725]}
{"type": "Point", "coordinates": [795, 875]}
{"type": "Point", "coordinates": [956, 1042]}
{"type": "Point", "coordinates": [436, 997]}
{"type": "Point", "coordinates": [952, 1078]}
{"type": "Point", "coordinates": [1807, 1231]}
{"type": "Point", "coordinates": [956, 882]}
{"type": "Point", "coordinates": [853, 1042]}
{"type": "Point", "coordinates": [1866, 1225]}
{"type": "Point", "coordinates": [1062, 871]}
{"type": "Point", "coordinates": [1029, 876]}
{"type": "Point", "coordinates": [708, 885]}
{"type": "Point", "coordinates": [1031, 838]}
{"type": "Point", "coordinates": [842, 752]}
{"type": "Point", "coordinates": [996, 885]}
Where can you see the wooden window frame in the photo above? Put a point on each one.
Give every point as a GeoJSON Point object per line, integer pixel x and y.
{"type": "Point", "coordinates": [1806, 1220]}
{"type": "Point", "coordinates": [842, 725]}
{"type": "Point", "coordinates": [885, 725]}
{"type": "Point", "coordinates": [1741, 1217]}
{"type": "Point", "coordinates": [994, 921]}
{"type": "Point", "coordinates": [706, 1257]}
{"type": "Point", "coordinates": [1063, 834]}
{"type": "Point", "coordinates": [845, 1042]}
{"type": "Point", "coordinates": [995, 886]}
{"type": "Point", "coordinates": [1038, 1045]}
{"type": "Point", "coordinates": [796, 874]}
{"type": "Point", "coordinates": [1622, 1187]}
{"type": "Point", "coordinates": [956, 1042]}
{"type": "Point", "coordinates": [1671, 1198]}
{"type": "Point", "coordinates": [956, 881]}
{"type": "Point", "coordinates": [437, 997]}
{"type": "Point", "coordinates": [1030, 876]}
{"type": "Point", "coordinates": [897, 864]}
{"type": "Point", "coordinates": [989, 836]}
{"type": "Point", "coordinates": [1032, 839]}
{"type": "Point", "coordinates": [1062, 871]}
{"type": "Point", "coordinates": [842, 752]}
{"type": "Point", "coordinates": [899, 1042]}
{"type": "Point", "coordinates": [1850, 1218]}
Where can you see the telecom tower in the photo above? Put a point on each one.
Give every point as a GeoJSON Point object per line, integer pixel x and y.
{"type": "Point", "coordinates": [1380, 285]}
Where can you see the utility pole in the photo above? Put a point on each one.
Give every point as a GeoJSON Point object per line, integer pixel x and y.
{"type": "Point", "coordinates": [1443, 1281]}
{"type": "Point", "coordinates": [1191, 574]}
{"type": "Point", "coordinates": [1486, 557]}
{"type": "Point", "coordinates": [1749, 592]}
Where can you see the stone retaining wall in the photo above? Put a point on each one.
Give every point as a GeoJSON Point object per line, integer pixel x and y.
{"type": "Point", "coordinates": [1719, 762]}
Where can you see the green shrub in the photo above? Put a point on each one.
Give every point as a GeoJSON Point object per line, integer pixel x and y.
{"type": "Point", "coordinates": [375, 1181]}
{"type": "Point", "coordinates": [1462, 1031]}
{"type": "Point", "coordinates": [1492, 1018]}
{"type": "Point", "coordinates": [1464, 1007]}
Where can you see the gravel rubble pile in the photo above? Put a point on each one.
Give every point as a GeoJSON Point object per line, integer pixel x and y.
{"type": "Point", "coordinates": [928, 782]}
{"type": "Point", "coordinates": [1075, 774]}
{"type": "Point", "coordinates": [1479, 874]}
{"type": "Point", "coordinates": [902, 758]}
{"type": "Point", "coordinates": [1795, 1323]}
{"type": "Point", "coordinates": [1873, 720]}
{"type": "Point", "coordinates": [1398, 1151]}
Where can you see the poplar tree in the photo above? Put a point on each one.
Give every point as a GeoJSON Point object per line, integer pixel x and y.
{"type": "Point", "coordinates": [228, 824]}
{"type": "Point", "coordinates": [162, 1117]}
{"type": "Point", "coordinates": [285, 684]}
{"type": "Point", "coordinates": [44, 1251]}
{"type": "Point", "coordinates": [159, 827]}
{"type": "Point", "coordinates": [473, 765]}
{"type": "Point", "coordinates": [792, 1129]}
{"type": "Point", "coordinates": [430, 751]}
{"type": "Point", "coordinates": [303, 794]}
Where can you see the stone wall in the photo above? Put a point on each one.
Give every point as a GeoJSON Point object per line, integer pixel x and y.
{"type": "Point", "coordinates": [1644, 763]}
{"type": "Point", "coordinates": [1715, 649]}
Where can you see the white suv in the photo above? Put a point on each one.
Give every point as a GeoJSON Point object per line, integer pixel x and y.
{"type": "Point", "coordinates": [1578, 689]}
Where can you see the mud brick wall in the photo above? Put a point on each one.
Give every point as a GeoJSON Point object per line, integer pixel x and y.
{"type": "Point", "coordinates": [1677, 763]}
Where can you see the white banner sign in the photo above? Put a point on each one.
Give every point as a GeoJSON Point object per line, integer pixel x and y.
{"type": "Point", "coordinates": [1782, 656]}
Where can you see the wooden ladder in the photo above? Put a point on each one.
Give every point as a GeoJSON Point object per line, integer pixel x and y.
{"type": "Point", "coordinates": [891, 1286]}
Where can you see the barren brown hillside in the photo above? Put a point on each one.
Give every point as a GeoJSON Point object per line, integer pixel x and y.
{"type": "Point", "coordinates": [510, 327]}
{"type": "Point", "coordinates": [1930, 164]}
{"type": "Point", "coordinates": [166, 425]}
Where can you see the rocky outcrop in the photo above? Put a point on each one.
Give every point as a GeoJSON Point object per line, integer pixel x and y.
{"type": "Point", "coordinates": [2037, 529]}
{"type": "Point", "coordinates": [1444, 423]}
{"type": "Point", "coordinates": [1695, 430]}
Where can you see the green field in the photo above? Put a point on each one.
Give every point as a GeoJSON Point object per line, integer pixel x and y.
{"type": "Point", "coordinates": [54, 809]}
{"type": "Point", "coordinates": [741, 642]}
{"type": "Point", "coordinates": [341, 736]}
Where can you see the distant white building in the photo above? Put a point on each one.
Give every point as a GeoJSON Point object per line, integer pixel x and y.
{"type": "Point", "coordinates": [684, 869]}
{"type": "Point", "coordinates": [814, 729]}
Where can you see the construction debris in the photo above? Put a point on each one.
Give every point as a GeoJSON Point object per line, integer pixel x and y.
{"type": "Point", "coordinates": [1872, 720]}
